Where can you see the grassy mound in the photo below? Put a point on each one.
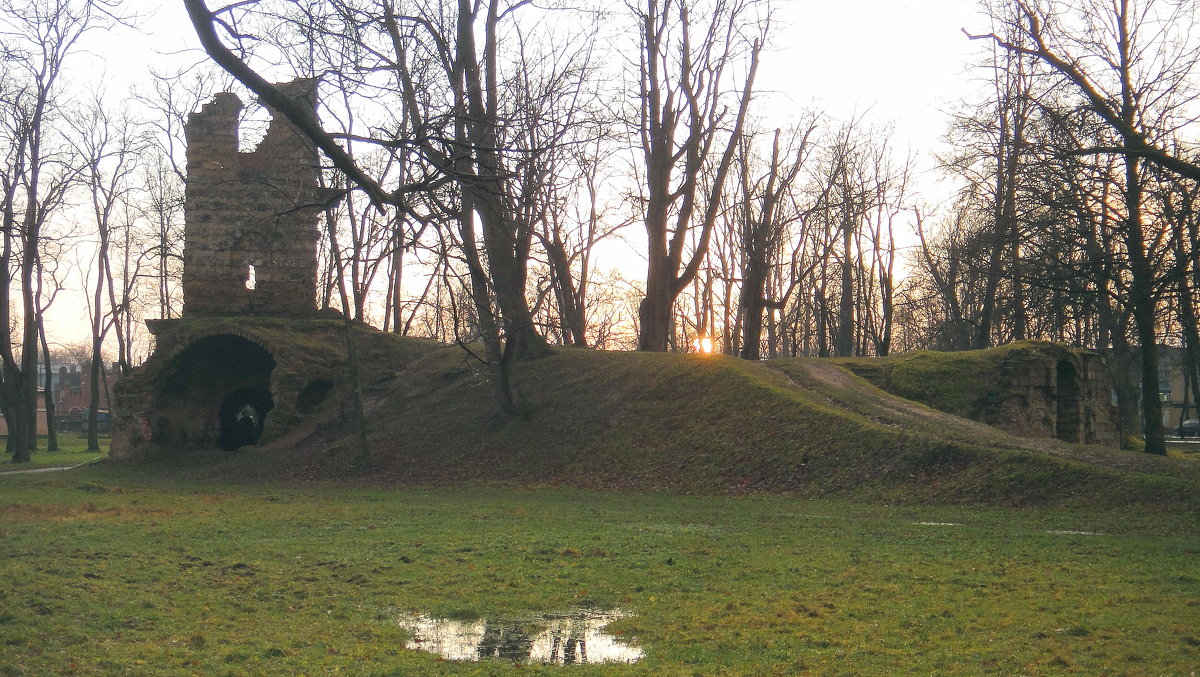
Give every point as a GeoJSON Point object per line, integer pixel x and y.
{"type": "Point", "coordinates": [702, 423]}
{"type": "Point", "coordinates": [954, 382]}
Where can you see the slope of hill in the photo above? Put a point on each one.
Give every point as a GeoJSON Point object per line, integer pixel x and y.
{"type": "Point", "coordinates": [703, 423]}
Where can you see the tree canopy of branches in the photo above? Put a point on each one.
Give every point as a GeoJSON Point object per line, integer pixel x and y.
{"type": "Point", "coordinates": [467, 135]}
{"type": "Point", "coordinates": [1090, 99]}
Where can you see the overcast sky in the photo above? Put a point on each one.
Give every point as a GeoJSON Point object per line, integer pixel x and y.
{"type": "Point", "coordinates": [903, 60]}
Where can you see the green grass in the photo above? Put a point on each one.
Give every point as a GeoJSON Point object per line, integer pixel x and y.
{"type": "Point", "coordinates": [758, 519]}
{"type": "Point", "coordinates": [105, 570]}
{"type": "Point", "coordinates": [72, 451]}
{"type": "Point", "coordinates": [953, 382]}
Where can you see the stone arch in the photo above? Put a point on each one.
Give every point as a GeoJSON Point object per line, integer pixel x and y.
{"type": "Point", "coordinates": [312, 395]}
{"type": "Point", "coordinates": [1067, 426]}
{"type": "Point", "coordinates": [242, 415]}
{"type": "Point", "coordinates": [207, 388]}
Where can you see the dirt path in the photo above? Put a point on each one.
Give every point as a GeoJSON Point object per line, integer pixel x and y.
{"type": "Point", "coordinates": [30, 471]}
{"type": "Point", "coordinates": [52, 468]}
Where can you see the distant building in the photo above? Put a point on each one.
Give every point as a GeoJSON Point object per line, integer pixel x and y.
{"type": "Point", "coordinates": [1174, 387]}
{"type": "Point", "coordinates": [72, 397]}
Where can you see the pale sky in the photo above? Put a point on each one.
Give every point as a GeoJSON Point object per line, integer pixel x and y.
{"type": "Point", "coordinates": [899, 61]}
{"type": "Point", "coordinates": [903, 60]}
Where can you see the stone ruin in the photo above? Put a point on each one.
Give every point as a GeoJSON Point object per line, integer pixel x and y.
{"type": "Point", "coordinates": [1030, 389]}
{"type": "Point", "coordinates": [248, 359]}
{"type": "Point", "coordinates": [251, 218]}
{"type": "Point", "coordinates": [1049, 390]}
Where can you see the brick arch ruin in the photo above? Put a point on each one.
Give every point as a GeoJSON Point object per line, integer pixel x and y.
{"type": "Point", "coordinates": [215, 392]}
{"type": "Point", "coordinates": [215, 379]}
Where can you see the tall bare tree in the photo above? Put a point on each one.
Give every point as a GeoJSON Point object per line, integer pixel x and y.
{"type": "Point", "coordinates": [768, 209]}
{"type": "Point", "coordinates": [109, 146]}
{"type": "Point", "coordinates": [692, 111]}
{"type": "Point", "coordinates": [36, 172]}
{"type": "Point", "coordinates": [1133, 62]}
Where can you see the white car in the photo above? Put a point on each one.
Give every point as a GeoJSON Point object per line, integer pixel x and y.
{"type": "Point", "coordinates": [1188, 429]}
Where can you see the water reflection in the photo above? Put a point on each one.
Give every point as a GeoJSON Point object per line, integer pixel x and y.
{"type": "Point", "coordinates": [556, 639]}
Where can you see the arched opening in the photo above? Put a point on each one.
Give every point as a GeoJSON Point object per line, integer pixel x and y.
{"type": "Point", "coordinates": [215, 393]}
{"type": "Point", "coordinates": [242, 416]}
{"type": "Point", "coordinates": [312, 395]}
{"type": "Point", "coordinates": [1067, 423]}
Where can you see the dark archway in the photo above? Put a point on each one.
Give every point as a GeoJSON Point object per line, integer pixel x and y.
{"type": "Point", "coordinates": [215, 393]}
{"type": "Point", "coordinates": [312, 395]}
{"type": "Point", "coordinates": [1067, 422]}
{"type": "Point", "coordinates": [242, 416]}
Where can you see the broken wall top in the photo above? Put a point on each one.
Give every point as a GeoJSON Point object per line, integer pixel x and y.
{"type": "Point", "coordinates": [251, 218]}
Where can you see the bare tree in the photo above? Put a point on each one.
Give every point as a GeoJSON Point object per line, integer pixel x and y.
{"type": "Point", "coordinates": [36, 172]}
{"type": "Point", "coordinates": [689, 116]}
{"type": "Point", "coordinates": [173, 97]}
{"type": "Point", "coordinates": [858, 190]}
{"type": "Point", "coordinates": [109, 146]}
{"type": "Point", "coordinates": [768, 209]}
{"type": "Point", "coordinates": [1133, 63]}
{"type": "Point", "coordinates": [990, 153]}
{"type": "Point", "coordinates": [441, 90]}
{"type": "Point", "coordinates": [49, 275]}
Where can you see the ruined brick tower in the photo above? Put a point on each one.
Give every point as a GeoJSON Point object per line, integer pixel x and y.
{"type": "Point", "coordinates": [250, 239]}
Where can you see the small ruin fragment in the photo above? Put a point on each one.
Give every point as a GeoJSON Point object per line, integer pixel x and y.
{"type": "Point", "coordinates": [1030, 388]}
{"type": "Point", "coordinates": [1048, 390]}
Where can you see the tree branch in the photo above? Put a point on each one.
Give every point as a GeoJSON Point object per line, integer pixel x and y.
{"type": "Point", "coordinates": [300, 116]}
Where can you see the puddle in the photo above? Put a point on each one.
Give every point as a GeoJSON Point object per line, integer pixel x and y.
{"type": "Point", "coordinates": [554, 639]}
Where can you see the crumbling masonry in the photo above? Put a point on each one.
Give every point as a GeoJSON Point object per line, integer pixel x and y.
{"type": "Point", "coordinates": [249, 359]}
{"type": "Point", "coordinates": [1050, 390]}
{"type": "Point", "coordinates": [251, 218]}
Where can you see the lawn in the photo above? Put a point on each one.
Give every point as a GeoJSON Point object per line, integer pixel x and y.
{"type": "Point", "coordinates": [104, 571]}
{"type": "Point", "coordinates": [72, 451]}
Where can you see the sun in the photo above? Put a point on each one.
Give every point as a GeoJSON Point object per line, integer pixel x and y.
{"type": "Point", "coordinates": [703, 345]}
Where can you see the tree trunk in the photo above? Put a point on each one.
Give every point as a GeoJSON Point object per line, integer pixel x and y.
{"type": "Point", "coordinates": [1143, 306]}
{"type": "Point", "coordinates": [752, 308]}
{"type": "Point", "coordinates": [571, 312]}
{"type": "Point", "coordinates": [48, 396]}
{"type": "Point", "coordinates": [93, 420]}
{"type": "Point", "coordinates": [844, 345]}
{"type": "Point", "coordinates": [654, 311]}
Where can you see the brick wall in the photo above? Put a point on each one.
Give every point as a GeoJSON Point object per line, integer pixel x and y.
{"type": "Point", "coordinates": [250, 211]}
